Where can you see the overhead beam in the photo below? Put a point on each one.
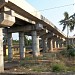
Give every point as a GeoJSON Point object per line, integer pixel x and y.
{"type": "Point", "coordinates": [3, 2]}
{"type": "Point", "coordinates": [6, 20]}
{"type": "Point", "coordinates": [15, 14]}
{"type": "Point", "coordinates": [19, 29]}
{"type": "Point", "coordinates": [23, 8]}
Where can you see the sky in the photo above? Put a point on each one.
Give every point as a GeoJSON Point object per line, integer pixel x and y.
{"type": "Point", "coordinates": [53, 14]}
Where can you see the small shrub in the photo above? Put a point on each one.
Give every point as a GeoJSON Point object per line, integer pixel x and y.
{"type": "Point", "coordinates": [63, 52]}
{"type": "Point", "coordinates": [71, 52]}
{"type": "Point", "coordinates": [69, 47]}
{"type": "Point", "coordinates": [38, 69]}
{"type": "Point", "coordinates": [58, 67]}
{"type": "Point", "coordinates": [22, 63]}
{"type": "Point", "coordinates": [72, 68]}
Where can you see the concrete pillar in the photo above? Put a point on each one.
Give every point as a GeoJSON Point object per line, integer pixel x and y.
{"type": "Point", "coordinates": [21, 45]}
{"type": "Point", "coordinates": [62, 45]}
{"type": "Point", "coordinates": [54, 43]}
{"type": "Point", "coordinates": [58, 44]}
{"type": "Point", "coordinates": [61, 42]}
{"type": "Point", "coordinates": [1, 52]}
{"type": "Point", "coordinates": [45, 47]}
{"type": "Point", "coordinates": [4, 43]}
{"type": "Point", "coordinates": [10, 52]}
{"type": "Point", "coordinates": [35, 44]}
{"type": "Point", "coordinates": [72, 42]}
{"type": "Point", "coordinates": [51, 45]}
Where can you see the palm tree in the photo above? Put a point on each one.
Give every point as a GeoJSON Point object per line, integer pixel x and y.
{"type": "Point", "coordinates": [72, 20]}
{"type": "Point", "coordinates": [68, 22]}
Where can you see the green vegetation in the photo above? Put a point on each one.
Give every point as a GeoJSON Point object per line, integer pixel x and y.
{"type": "Point", "coordinates": [27, 41]}
{"type": "Point", "coordinates": [62, 61]}
{"type": "Point", "coordinates": [69, 52]}
{"type": "Point", "coordinates": [58, 67]}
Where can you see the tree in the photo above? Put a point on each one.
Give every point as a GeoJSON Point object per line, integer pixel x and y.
{"type": "Point", "coordinates": [27, 41]}
{"type": "Point", "coordinates": [68, 22]}
{"type": "Point", "coordinates": [72, 19]}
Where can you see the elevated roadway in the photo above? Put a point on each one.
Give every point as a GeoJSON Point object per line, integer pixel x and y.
{"type": "Point", "coordinates": [24, 11]}
{"type": "Point", "coordinates": [20, 16]}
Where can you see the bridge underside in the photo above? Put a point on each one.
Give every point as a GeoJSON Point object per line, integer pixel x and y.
{"type": "Point", "coordinates": [18, 17]}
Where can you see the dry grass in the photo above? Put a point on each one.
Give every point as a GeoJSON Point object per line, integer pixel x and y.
{"type": "Point", "coordinates": [43, 63]}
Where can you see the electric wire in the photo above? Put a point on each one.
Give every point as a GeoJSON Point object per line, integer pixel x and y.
{"type": "Point", "coordinates": [57, 7]}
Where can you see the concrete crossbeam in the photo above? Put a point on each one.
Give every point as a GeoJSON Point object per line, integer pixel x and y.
{"type": "Point", "coordinates": [20, 29]}
{"type": "Point", "coordinates": [11, 12]}
{"type": "Point", "coordinates": [6, 20]}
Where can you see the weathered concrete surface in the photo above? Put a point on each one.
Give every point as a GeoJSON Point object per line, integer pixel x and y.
{"type": "Point", "coordinates": [35, 44]}
{"type": "Point", "coordinates": [22, 8]}
{"type": "Point", "coordinates": [8, 11]}
{"type": "Point", "coordinates": [21, 45]}
{"type": "Point", "coordinates": [6, 20]}
{"type": "Point", "coordinates": [45, 45]}
{"type": "Point", "coordinates": [19, 29]}
{"type": "Point", "coordinates": [1, 51]}
{"type": "Point", "coordinates": [10, 53]}
{"type": "Point", "coordinates": [51, 45]}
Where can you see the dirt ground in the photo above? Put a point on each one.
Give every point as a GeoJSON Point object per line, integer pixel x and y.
{"type": "Point", "coordinates": [41, 64]}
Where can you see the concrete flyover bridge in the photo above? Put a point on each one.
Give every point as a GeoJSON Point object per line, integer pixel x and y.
{"type": "Point", "coordinates": [19, 16]}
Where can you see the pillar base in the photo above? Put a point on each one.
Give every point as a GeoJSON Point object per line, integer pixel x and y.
{"type": "Point", "coordinates": [36, 54]}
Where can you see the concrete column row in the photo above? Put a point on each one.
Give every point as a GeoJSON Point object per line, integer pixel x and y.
{"type": "Point", "coordinates": [51, 43]}
{"type": "Point", "coordinates": [48, 44]}
{"type": "Point", "coordinates": [35, 45]}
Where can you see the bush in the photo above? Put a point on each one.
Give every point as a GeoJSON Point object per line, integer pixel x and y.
{"type": "Point", "coordinates": [69, 47]}
{"type": "Point", "coordinates": [70, 52]}
{"type": "Point", "coordinates": [22, 63]}
{"type": "Point", "coordinates": [58, 67]}
{"type": "Point", "coordinates": [63, 52]}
